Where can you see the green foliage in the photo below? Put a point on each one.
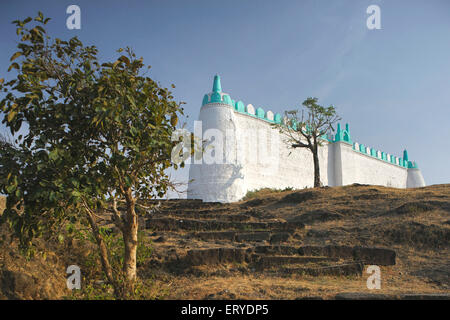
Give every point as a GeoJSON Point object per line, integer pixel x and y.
{"type": "Point", "coordinates": [147, 289]}
{"type": "Point", "coordinates": [100, 289]}
{"type": "Point", "coordinates": [94, 132]}
{"type": "Point", "coordinates": [115, 245]}
{"type": "Point", "coordinates": [305, 128]}
{"type": "Point", "coordinates": [308, 129]}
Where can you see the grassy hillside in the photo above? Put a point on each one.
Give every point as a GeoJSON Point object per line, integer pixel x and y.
{"type": "Point", "coordinates": [272, 245]}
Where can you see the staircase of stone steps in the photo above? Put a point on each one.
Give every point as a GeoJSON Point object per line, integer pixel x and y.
{"type": "Point", "coordinates": [217, 236]}
{"type": "Point", "coordinates": [288, 260]}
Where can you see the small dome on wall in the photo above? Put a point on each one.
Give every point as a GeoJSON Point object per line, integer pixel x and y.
{"type": "Point", "coordinates": [239, 106]}
{"type": "Point", "coordinates": [216, 97]}
{"type": "Point", "coordinates": [205, 99]}
{"type": "Point", "coordinates": [260, 113]}
{"type": "Point", "coordinates": [277, 118]}
{"type": "Point", "coordinates": [226, 99]}
{"type": "Point", "coordinates": [250, 109]}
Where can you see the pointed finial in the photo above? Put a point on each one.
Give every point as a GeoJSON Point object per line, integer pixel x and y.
{"type": "Point", "coordinates": [216, 86]}
{"type": "Point", "coordinates": [405, 155]}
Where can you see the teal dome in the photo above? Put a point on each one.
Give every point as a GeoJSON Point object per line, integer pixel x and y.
{"type": "Point", "coordinates": [205, 99]}
{"type": "Point", "coordinates": [226, 99]}
{"type": "Point", "coordinates": [239, 106]}
{"type": "Point", "coordinates": [260, 113]}
{"type": "Point", "coordinates": [216, 97]}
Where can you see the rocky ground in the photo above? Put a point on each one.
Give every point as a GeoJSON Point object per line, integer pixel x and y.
{"type": "Point", "coordinates": [311, 243]}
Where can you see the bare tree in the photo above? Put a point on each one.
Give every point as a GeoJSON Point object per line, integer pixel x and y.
{"type": "Point", "coordinates": [307, 128]}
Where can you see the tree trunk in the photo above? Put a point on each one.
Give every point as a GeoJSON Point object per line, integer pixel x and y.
{"type": "Point", "coordinates": [316, 168]}
{"type": "Point", "coordinates": [104, 256]}
{"type": "Point", "coordinates": [130, 238]}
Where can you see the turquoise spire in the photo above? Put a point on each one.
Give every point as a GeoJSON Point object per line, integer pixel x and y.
{"type": "Point", "coordinates": [216, 86]}
{"type": "Point", "coordinates": [405, 155]}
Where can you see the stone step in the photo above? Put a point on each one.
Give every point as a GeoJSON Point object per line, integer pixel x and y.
{"type": "Point", "coordinates": [203, 216]}
{"type": "Point", "coordinates": [367, 255]}
{"type": "Point", "coordinates": [214, 235]}
{"type": "Point", "coordinates": [276, 249]}
{"type": "Point", "coordinates": [183, 204]}
{"type": "Point", "coordinates": [173, 224]}
{"type": "Point", "coordinates": [241, 236]}
{"type": "Point", "coordinates": [264, 261]}
{"type": "Point", "coordinates": [347, 269]}
{"type": "Point", "coordinates": [211, 256]}
{"type": "Point", "coordinates": [198, 211]}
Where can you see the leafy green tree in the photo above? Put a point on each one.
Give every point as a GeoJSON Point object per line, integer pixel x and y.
{"type": "Point", "coordinates": [98, 139]}
{"type": "Point", "coordinates": [308, 129]}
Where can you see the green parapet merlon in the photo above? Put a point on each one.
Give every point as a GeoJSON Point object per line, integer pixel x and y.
{"type": "Point", "coordinates": [400, 162]}
{"type": "Point", "coordinates": [277, 118]}
{"type": "Point", "coordinates": [226, 99]}
{"type": "Point", "coordinates": [339, 134]}
{"type": "Point", "coordinates": [383, 156]}
{"type": "Point", "coordinates": [217, 87]}
{"type": "Point", "coordinates": [354, 146]}
{"type": "Point", "coordinates": [362, 148]}
{"type": "Point", "coordinates": [405, 154]}
{"type": "Point", "coordinates": [412, 165]}
{"type": "Point", "coordinates": [240, 107]}
{"type": "Point", "coordinates": [260, 113]}
{"type": "Point", "coordinates": [205, 100]}
{"type": "Point", "coordinates": [343, 134]}
{"type": "Point", "coordinates": [373, 152]}
{"type": "Point", "coordinates": [347, 137]}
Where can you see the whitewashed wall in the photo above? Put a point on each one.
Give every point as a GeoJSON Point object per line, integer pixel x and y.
{"type": "Point", "coordinates": [361, 168]}
{"type": "Point", "coordinates": [274, 168]}
{"type": "Point", "coordinates": [250, 167]}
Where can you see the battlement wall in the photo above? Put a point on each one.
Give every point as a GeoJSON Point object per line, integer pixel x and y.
{"type": "Point", "coordinates": [256, 155]}
{"type": "Point", "coordinates": [353, 166]}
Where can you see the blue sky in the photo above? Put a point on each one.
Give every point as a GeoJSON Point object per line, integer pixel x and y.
{"type": "Point", "coordinates": [391, 85]}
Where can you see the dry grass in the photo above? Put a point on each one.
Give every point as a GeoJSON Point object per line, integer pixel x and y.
{"type": "Point", "coordinates": [413, 222]}
{"type": "Point", "coordinates": [2, 204]}
{"type": "Point", "coordinates": [371, 216]}
{"type": "Point", "coordinates": [264, 287]}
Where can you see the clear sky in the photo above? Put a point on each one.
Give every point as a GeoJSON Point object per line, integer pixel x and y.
{"type": "Point", "coordinates": [391, 85]}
